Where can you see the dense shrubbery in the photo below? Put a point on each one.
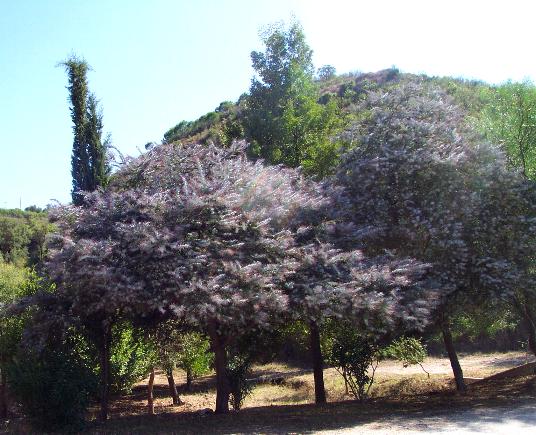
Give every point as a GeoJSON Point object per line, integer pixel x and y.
{"type": "Point", "coordinates": [54, 384]}
{"type": "Point", "coordinates": [22, 236]}
{"type": "Point", "coordinates": [238, 370]}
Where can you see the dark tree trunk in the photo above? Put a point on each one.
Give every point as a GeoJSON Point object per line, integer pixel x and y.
{"type": "Point", "coordinates": [189, 379]}
{"type": "Point", "coordinates": [318, 363]}
{"type": "Point", "coordinates": [454, 362]}
{"type": "Point", "coordinates": [3, 393]}
{"type": "Point", "coordinates": [150, 395]}
{"type": "Point", "coordinates": [529, 320]}
{"type": "Point", "coordinates": [223, 387]}
{"type": "Point", "coordinates": [173, 388]}
{"type": "Point", "coordinates": [104, 356]}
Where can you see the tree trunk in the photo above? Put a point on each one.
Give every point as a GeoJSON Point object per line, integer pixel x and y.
{"type": "Point", "coordinates": [529, 320]}
{"type": "Point", "coordinates": [223, 388]}
{"type": "Point", "coordinates": [104, 356]}
{"type": "Point", "coordinates": [173, 388]}
{"type": "Point", "coordinates": [150, 396]}
{"type": "Point", "coordinates": [3, 393]}
{"type": "Point", "coordinates": [454, 362]}
{"type": "Point", "coordinates": [189, 379]}
{"type": "Point", "coordinates": [318, 369]}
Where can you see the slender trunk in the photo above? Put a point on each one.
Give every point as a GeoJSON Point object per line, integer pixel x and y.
{"type": "Point", "coordinates": [3, 392]}
{"type": "Point", "coordinates": [454, 362]}
{"type": "Point", "coordinates": [318, 369]}
{"type": "Point", "coordinates": [104, 356]}
{"type": "Point", "coordinates": [189, 379]}
{"type": "Point", "coordinates": [173, 387]}
{"type": "Point", "coordinates": [345, 376]}
{"type": "Point", "coordinates": [150, 396]}
{"type": "Point", "coordinates": [223, 387]}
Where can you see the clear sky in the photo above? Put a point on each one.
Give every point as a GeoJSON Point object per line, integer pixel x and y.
{"type": "Point", "coordinates": [157, 62]}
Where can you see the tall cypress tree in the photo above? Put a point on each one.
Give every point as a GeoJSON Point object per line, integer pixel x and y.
{"type": "Point", "coordinates": [89, 166]}
{"type": "Point", "coordinates": [99, 170]}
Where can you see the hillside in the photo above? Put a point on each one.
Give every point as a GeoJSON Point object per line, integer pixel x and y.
{"type": "Point", "coordinates": [22, 236]}
{"type": "Point", "coordinates": [224, 124]}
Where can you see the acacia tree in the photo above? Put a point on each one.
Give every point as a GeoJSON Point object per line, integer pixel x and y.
{"type": "Point", "coordinates": [226, 219]}
{"type": "Point", "coordinates": [421, 187]}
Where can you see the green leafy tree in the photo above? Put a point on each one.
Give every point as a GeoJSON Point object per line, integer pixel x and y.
{"type": "Point", "coordinates": [89, 166]}
{"type": "Point", "coordinates": [510, 120]}
{"type": "Point", "coordinates": [130, 357]}
{"type": "Point", "coordinates": [283, 119]}
{"type": "Point", "coordinates": [326, 72]}
{"type": "Point", "coordinates": [14, 239]}
{"type": "Point", "coordinates": [193, 356]}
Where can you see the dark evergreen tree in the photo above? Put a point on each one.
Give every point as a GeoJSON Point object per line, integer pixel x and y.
{"type": "Point", "coordinates": [99, 170]}
{"type": "Point", "coordinates": [89, 166]}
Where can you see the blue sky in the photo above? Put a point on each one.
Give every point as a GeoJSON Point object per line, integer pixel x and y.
{"type": "Point", "coordinates": [160, 61]}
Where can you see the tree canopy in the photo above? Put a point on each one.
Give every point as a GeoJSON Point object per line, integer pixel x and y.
{"type": "Point", "coordinates": [283, 118]}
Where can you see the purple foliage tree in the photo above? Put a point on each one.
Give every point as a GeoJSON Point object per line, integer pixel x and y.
{"type": "Point", "coordinates": [204, 236]}
{"type": "Point", "coordinates": [417, 185]}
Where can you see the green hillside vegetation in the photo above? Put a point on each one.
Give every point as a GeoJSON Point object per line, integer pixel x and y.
{"type": "Point", "coordinates": [226, 122]}
{"type": "Point", "coordinates": [23, 236]}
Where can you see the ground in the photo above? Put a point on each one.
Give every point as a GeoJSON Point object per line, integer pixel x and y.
{"type": "Point", "coordinates": [403, 401]}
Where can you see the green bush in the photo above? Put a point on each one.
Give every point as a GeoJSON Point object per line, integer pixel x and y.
{"type": "Point", "coordinates": [409, 350]}
{"type": "Point", "coordinates": [352, 354]}
{"type": "Point", "coordinates": [53, 386]}
{"type": "Point", "coordinates": [238, 369]}
{"type": "Point", "coordinates": [131, 358]}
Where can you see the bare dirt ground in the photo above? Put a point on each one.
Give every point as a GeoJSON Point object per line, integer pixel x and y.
{"type": "Point", "coordinates": [477, 364]}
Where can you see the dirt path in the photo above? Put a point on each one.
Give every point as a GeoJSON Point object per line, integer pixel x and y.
{"type": "Point", "coordinates": [472, 365]}
{"type": "Point", "coordinates": [515, 420]}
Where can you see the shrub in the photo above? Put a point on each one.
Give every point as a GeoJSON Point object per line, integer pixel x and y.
{"type": "Point", "coordinates": [409, 350]}
{"type": "Point", "coordinates": [238, 368]}
{"type": "Point", "coordinates": [131, 358]}
{"type": "Point", "coordinates": [53, 386]}
{"type": "Point", "coordinates": [352, 354]}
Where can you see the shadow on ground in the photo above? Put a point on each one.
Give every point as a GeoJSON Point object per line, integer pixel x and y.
{"type": "Point", "coordinates": [487, 403]}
